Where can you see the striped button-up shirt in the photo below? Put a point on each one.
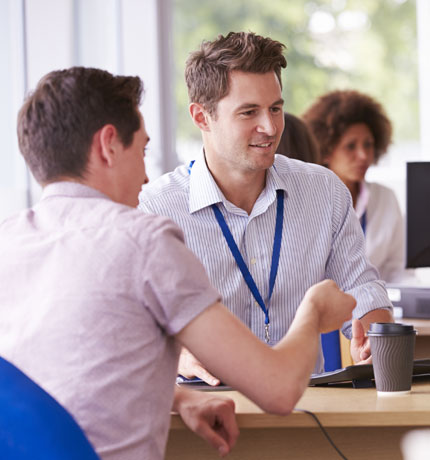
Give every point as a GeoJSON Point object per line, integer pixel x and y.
{"type": "Point", "coordinates": [322, 238]}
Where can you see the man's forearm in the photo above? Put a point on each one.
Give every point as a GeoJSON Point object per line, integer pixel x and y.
{"type": "Point", "coordinates": [376, 316]}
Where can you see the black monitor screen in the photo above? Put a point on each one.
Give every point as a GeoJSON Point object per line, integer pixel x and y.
{"type": "Point", "coordinates": [418, 215]}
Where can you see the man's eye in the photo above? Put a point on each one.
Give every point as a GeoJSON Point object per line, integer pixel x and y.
{"type": "Point", "coordinates": [248, 113]}
{"type": "Point", "coordinates": [276, 109]}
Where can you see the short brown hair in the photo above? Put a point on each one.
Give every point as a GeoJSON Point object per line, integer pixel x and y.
{"type": "Point", "coordinates": [297, 140]}
{"type": "Point", "coordinates": [207, 70]}
{"type": "Point", "coordinates": [57, 122]}
{"type": "Point", "coordinates": [332, 114]}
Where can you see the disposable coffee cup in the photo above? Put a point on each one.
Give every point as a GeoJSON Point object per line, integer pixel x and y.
{"type": "Point", "coordinates": [392, 346]}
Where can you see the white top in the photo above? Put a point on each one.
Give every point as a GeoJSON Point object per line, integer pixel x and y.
{"type": "Point", "coordinates": [322, 238]}
{"type": "Point", "coordinates": [92, 294]}
{"type": "Point", "coordinates": [385, 232]}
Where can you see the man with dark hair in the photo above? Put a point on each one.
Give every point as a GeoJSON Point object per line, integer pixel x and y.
{"type": "Point", "coordinates": [208, 69]}
{"type": "Point", "coordinates": [265, 227]}
{"type": "Point", "coordinates": [96, 296]}
{"type": "Point", "coordinates": [49, 145]}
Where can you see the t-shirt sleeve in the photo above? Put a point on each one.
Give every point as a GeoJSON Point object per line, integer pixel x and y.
{"type": "Point", "coordinates": [175, 286]}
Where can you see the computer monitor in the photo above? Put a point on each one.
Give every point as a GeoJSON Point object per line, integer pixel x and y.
{"type": "Point", "coordinates": [418, 214]}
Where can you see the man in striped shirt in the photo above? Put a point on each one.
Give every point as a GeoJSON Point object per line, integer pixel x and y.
{"type": "Point", "coordinates": [266, 227]}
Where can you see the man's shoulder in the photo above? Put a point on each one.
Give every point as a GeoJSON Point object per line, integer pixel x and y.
{"type": "Point", "coordinates": [309, 181]}
{"type": "Point", "coordinates": [83, 213]}
{"type": "Point", "coordinates": [129, 229]}
{"type": "Point", "coordinates": [133, 219]}
{"type": "Point", "coordinates": [174, 181]}
{"type": "Point", "coordinates": [13, 218]}
{"type": "Point", "coordinates": [106, 222]}
{"type": "Point", "coordinates": [289, 168]}
{"type": "Point", "coordinates": [165, 191]}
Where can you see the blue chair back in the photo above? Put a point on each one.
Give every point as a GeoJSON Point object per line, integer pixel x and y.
{"type": "Point", "coordinates": [33, 425]}
{"type": "Point", "coordinates": [331, 351]}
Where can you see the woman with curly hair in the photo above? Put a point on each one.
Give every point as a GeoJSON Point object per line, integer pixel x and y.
{"type": "Point", "coordinates": [354, 132]}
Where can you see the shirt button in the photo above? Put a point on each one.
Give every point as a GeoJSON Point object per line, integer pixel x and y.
{"type": "Point", "coordinates": [253, 261]}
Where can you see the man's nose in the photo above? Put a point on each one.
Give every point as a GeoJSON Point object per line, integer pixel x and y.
{"type": "Point", "coordinates": [266, 124]}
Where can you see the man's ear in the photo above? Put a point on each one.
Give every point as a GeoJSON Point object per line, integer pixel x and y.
{"type": "Point", "coordinates": [109, 144]}
{"type": "Point", "coordinates": [200, 116]}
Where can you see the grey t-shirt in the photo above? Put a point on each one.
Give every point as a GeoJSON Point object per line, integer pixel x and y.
{"type": "Point", "coordinates": [92, 294]}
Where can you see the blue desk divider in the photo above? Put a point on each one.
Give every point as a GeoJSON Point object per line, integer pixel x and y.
{"type": "Point", "coordinates": [33, 425]}
{"type": "Point", "coordinates": [331, 350]}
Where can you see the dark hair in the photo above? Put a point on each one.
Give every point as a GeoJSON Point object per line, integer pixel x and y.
{"type": "Point", "coordinates": [57, 122]}
{"type": "Point", "coordinates": [332, 114]}
{"type": "Point", "coordinates": [207, 70]}
{"type": "Point", "coordinates": [297, 141]}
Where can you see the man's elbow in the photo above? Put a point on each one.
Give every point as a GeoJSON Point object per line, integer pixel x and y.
{"type": "Point", "coordinates": [283, 403]}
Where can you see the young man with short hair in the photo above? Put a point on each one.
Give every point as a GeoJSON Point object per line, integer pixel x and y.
{"type": "Point", "coordinates": [97, 296]}
{"type": "Point", "coordinates": [265, 227]}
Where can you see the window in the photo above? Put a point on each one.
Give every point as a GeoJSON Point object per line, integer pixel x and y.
{"type": "Point", "coordinates": [13, 176]}
{"type": "Point", "coordinates": [331, 44]}
{"type": "Point", "coordinates": [121, 36]}
{"type": "Point", "coordinates": [363, 44]}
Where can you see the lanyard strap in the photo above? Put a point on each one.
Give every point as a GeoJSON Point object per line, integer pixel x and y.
{"type": "Point", "coordinates": [241, 263]}
{"type": "Point", "coordinates": [363, 222]}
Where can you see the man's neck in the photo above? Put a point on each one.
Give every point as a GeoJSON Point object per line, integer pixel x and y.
{"type": "Point", "coordinates": [239, 187]}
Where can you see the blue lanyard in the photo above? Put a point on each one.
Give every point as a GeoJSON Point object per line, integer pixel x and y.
{"type": "Point", "coordinates": [242, 265]}
{"type": "Point", "coordinates": [363, 222]}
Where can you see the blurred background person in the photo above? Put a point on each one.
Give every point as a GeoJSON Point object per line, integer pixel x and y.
{"type": "Point", "coordinates": [353, 132]}
{"type": "Point", "coordinates": [297, 141]}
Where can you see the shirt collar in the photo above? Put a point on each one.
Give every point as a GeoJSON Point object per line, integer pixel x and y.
{"type": "Point", "coordinates": [268, 195]}
{"type": "Point", "coordinates": [204, 191]}
{"type": "Point", "coordinates": [274, 180]}
{"type": "Point", "coordinates": [71, 189]}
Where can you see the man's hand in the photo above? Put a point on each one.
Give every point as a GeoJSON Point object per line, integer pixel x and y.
{"type": "Point", "coordinates": [189, 367]}
{"type": "Point", "coordinates": [360, 345]}
{"type": "Point", "coordinates": [210, 417]}
{"type": "Point", "coordinates": [332, 305]}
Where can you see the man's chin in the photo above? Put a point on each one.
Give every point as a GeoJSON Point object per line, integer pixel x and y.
{"type": "Point", "coordinates": [264, 163]}
{"type": "Point", "coordinates": [269, 159]}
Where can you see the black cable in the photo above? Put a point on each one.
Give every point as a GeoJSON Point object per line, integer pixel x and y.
{"type": "Point", "coordinates": [323, 430]}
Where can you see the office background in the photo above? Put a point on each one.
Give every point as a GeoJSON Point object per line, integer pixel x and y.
{"type": "Point", "coordinates": [375, 47]}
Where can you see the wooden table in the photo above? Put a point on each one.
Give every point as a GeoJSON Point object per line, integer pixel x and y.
{"type": "Point", "coordinates": [363, 425]}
